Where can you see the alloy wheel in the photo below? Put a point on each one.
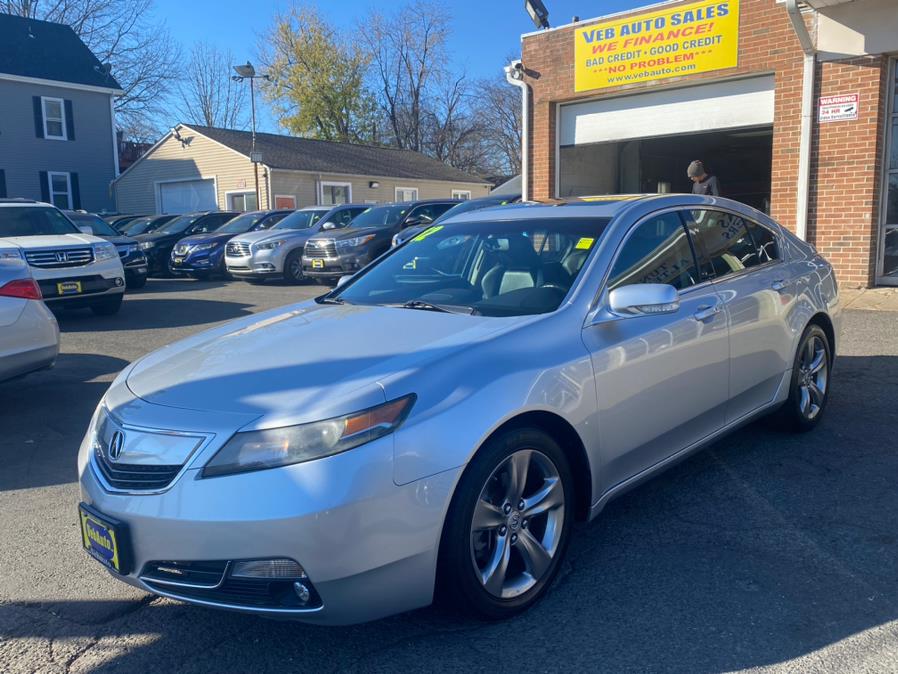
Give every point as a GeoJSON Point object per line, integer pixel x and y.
{"type": "Point", "coordinates": [813, 377]}
{"type": "Point", "coordinates": [294, 268]}
{"type": "Point", "coordinates": [517, 524]}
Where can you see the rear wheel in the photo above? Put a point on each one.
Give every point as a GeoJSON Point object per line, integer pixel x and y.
{"type": "Point", "coordinates": [508, 525]}
{"type": "Point", "coordinates": [107, 306]}
{"type": "Point", "coordinates": [293, 267]}
{"type": "Point", "coordinates": [809, 387]}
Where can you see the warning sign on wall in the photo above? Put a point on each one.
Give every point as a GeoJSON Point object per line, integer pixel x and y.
{"type": "Point", "coordinates": [674, 42]}
{"type": "Point", "coordinates": [838, 108]}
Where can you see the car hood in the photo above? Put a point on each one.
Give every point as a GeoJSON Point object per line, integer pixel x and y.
{"type": "Point", "coordinates": [49, 240]}
{"type": "Point", "coordinates": [119, 240]}
{"type": "Point", "coordinates": [210, 237]}
{"type": "Point", "coordinates": [303, 362]}
{"type": "Point", "coordinates": [155, 236]}
{"type": "Point", "coordinates": [348, 233]}
{"type": "Point", "coordinates": [274, 234]}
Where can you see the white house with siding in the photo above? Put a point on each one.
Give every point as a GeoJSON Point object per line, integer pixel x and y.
{"type": "Point", "coordinates": [194, 168]}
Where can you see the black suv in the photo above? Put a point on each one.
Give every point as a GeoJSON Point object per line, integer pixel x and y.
{"type": "Point", "coordinates": [332, 254]}
{"type": "Point", "coordinates": [158, 244]}
{"type": "Point", "coordinates": [133, 259]}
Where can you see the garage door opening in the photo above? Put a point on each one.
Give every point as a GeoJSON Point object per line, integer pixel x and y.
{"type": "Point", "coordinates": [740, 158]}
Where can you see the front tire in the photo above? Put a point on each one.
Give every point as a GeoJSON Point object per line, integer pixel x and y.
{"type": "Point", "coordinates": [108, 306]}
{"type": "Point", "coordinates": [508, 525]}
{"type": "Point", "coordinates": [293, 268]}
{"type": "Point", "coordinates": [809, 387]}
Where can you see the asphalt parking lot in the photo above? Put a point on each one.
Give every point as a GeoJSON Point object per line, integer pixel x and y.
{"type": "Point", "coordinates": [765, 552]}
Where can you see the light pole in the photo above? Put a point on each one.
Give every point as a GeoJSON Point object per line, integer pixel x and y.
{"type": "Point", "coordinates": [248, 72]}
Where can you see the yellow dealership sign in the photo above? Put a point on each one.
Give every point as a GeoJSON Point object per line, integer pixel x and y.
{"type": "Point", "coordinates": [682, 40]}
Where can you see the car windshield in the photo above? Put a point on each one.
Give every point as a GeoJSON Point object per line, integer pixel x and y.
{"type": "Point", "coordinates": [240, 224]}
{"type": "Point", "coordinates": [34, 221]}
{"type": "Point", "coordinates": [300, 219]}
{"type": "Point", "coordinates": [468, 206]}
{"type": "Point", "coordinates": [506, 268]}
{"type": "Point", "coordinates": [382, 216]}
{"type": "Point", "coordinates": [178, 225]}
{"type": "Point", "coordinates": [99, 226]}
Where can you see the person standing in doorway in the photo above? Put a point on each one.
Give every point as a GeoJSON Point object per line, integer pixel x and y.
{"type": "Point", "coordinates": [702, 183]}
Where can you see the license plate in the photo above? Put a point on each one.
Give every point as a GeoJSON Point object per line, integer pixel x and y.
{"type": "Point", "coordinates": [178, 260]}
{"type": "Point", "coordinates": [68, 288]}
{"type": "Point", "coordinates": [317, 264]}
{"type": "Point", "coordinates": [104, 539]}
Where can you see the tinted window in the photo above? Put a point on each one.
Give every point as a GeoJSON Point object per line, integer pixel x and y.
{"type": "Point", "coordinates": [178, 225]}
{"type": "Point", "coordinates": [381, 216]}
{"type": "Point", "coordinates": [33, 221]}
{"type": "Point", "coordinates": [95, 222]}
{"type": "Point", "coordinates": [656, 252]}
{"type": "Point", "coordinates": [429, 212]}
{"type": "Point", "coordinates": [765, 242]}
{"type": "Point", "coordinates": [242, 223]}
{"type": "Point", "coordinates": [726, 243]}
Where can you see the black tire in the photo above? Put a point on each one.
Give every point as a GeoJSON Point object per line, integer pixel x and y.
{"type": "Point", "coordinates": [108, 306]}
{"type": "Point", "coordinates": [803, 409]}
{"type": "Point", "coordinates": [459, 574]}
{"type": "Point", "coordinates": [293, 268]}
{"type": "Point", "coordinates": [137, 282]}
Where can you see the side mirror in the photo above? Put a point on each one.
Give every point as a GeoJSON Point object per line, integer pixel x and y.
{"type": "Point", "coordinates": [343, 280]}
{"type": "Point", "coordinates": [329, 225]}
{"type": "Point", "coordinates": [644, 299]}
{"type": "Point", "coordinates": [85, 229]}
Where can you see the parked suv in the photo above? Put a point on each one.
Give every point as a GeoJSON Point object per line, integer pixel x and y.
{"type": "Point", "coordinates": [201, 255]}
{"type": "Point", "coordinates": [330, 255]}
{"type": "Point", "coordinates": [158, 244]}
{"type": "Point", "coordinates": [133, 259]}
{"type": "Point", "coordinates": [463, 207]}
{"type": "Point", "coordinates": [145, 224]}
{"type": "Point", "coordinates": [277, 252]}
{"type": "Point", "coordinates": [72, 269]}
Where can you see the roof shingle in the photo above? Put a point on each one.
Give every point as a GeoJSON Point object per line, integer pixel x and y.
{"type": "Point", "coordinates": [307, 154]}
{"type": "Point", "coordinates": [48, 51]}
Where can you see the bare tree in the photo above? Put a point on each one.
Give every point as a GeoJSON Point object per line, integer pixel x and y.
{"type": "Point", "coordinates": [141, 53]}
{"type": "Point", "coordinates": [453, 132]}
{"type": "Point", "coordinates": [498, 108]}
{"type": "Point", "coordinates": [207, 94]}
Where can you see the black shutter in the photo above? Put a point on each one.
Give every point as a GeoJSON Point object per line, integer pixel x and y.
{"type": "Point", "coordinates": [45, 187]}
{"type": "Point", "coordinates": [76, 191]}
{"type": "Point", "coordinates": [69, 121]}
{"type": "Point", "coordinates": [38, 117]}
{"type": "Point", "coordinates": [2, 184]}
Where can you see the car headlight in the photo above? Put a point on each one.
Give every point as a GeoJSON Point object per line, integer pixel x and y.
{"type": "Point", "coordinates": [146, 245]}
{"type": "Point", "coordinates": [126, 250]}
{"type": "Point", "coordinates": [272, 448]}
{"type": "Point", "coordinates": [269, 245]}
{"type": "Point", "coordinates": [354, 242]}
{"type": "Point", "coordinates": [203, 246]}
{"type": "Point", "coordinates": [104, 251]}
{"type": "Point", "coordinates": [10, 254]}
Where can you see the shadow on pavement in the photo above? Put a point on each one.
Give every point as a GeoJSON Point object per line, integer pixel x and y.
{"type": "Point", "coordinates": [153, 313]}
{"type": "Point", "coordinates": [763, 548]}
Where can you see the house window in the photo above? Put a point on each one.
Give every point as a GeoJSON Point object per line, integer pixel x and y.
{"type": "Point", "coordinates": [54, 118]}
{"type": "Point", "coordinates": [243, 201]}
{"type": "Point", "coordinates": [60, 189]}
{"type": "Point", "coordinates": [336, 193]}
{"type": "Point", "coordinates": [461, 194]}
{"type": "Point", "coordinates": [406, 194]}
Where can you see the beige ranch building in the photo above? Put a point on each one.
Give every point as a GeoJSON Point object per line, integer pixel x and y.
{"type": "Point", "coordinates": [197, 168]}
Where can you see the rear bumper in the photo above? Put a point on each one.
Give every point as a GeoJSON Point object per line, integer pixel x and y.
{"type": "Point", "coordinates": [30, 344]}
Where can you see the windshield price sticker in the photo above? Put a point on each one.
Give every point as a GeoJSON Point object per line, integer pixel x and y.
{"type": "Point", "coordinates": [427, 232]}
{"type": "Point", "coordinates": [585, 243]}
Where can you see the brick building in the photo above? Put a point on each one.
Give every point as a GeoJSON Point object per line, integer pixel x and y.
{"type": "Point", "coordinates": [793, 106]}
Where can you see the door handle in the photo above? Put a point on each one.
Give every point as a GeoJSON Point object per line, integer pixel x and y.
{"type": "Point", "coordinates": [706, 311]}
{"type": "Point", "coordinates": [778, 285]}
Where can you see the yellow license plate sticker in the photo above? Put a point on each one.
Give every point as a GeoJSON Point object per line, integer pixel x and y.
{"type": "Point", "coordinates": [585, 243]}
{"type": "Point", "coordinates": [317, 264]}
{"type": "Point", "coordinates": [100, 540]}
{"type": "Point", "coordinates": [69, 288]}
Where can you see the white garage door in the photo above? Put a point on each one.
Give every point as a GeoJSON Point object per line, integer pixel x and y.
{"type": "Point", "coordinates": [186, 196]}
{"type": "Point", "coordinates": [706, 107]}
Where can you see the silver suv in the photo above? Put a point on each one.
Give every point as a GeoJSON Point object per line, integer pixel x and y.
{"type": "Point", "coordinates": [277, 252]}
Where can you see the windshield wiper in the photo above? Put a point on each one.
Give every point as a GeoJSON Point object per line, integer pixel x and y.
{"type": "Point", "coordinates": [324, 299]}
{"type": "Point", "coordinates": [427, 306]}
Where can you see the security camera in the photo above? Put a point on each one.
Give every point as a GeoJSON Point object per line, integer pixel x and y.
{"type": "Point", "coordinates": [517, 65]}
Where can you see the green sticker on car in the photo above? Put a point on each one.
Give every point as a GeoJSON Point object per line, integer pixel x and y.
{"type": "Point", "coordinates": [427, 232]}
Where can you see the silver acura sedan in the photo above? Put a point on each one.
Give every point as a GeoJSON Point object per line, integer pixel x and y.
{"type": "Point", "coordinates": [434, 425]}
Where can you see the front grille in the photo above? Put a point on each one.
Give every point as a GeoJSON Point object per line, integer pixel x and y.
{"type": "Point", "coordinates": [320, 249]}
{"type": "Point", "coordinates": [59, 258]}
{"type": "Point", "coordinates": [133, 476]}
{"type": "Point", "coordinates": [206, 574]}
{"type": "Point", "coordinates": [237, 249]}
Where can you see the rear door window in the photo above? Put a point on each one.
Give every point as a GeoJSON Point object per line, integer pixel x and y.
{"type": "Point", "coordinates": [657, 251]}
{"type": "Point", "coordinates": [729, 243]}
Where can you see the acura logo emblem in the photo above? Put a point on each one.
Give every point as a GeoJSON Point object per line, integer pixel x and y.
{"type": "Point", "coordinates": [116, 445]}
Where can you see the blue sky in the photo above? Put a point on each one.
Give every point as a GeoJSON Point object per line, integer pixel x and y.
{"type": "Point", "coordinates": [484, 32]}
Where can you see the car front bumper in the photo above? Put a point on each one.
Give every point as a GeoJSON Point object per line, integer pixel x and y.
{"type": "Point", "coordinates": [258, 264]}
{"type": "Point", "coordinates": [98, 280]}
{"type": "Point", "coordinates": [334, 267]}
{"type": "Point", "coordinates": [368, 546]}
{"type": "Point", "coordinates": [196, 263]}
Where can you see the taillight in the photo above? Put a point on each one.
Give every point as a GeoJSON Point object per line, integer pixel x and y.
{"type": "Point", "coordinates": [26, 289]}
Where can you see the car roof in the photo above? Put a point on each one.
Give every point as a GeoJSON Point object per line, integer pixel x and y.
{"type": "Point", "coordinates": [18, 201]}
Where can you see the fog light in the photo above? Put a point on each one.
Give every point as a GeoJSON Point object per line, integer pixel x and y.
{"type": "Point", "coordinates": [268, 568]}
{"type": "Point", "coordinates": [119, 282]}
{"type": "Point", "coordinates": [265, 267]}
{"type": "Point", "coordinates": [302, 592]}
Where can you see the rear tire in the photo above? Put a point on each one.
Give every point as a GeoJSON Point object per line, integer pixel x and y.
{"type": "Point", "coordinates": [108, 306]}
{"type": "Point", "coordinates": [505, 538]}
{"type": "Point", "coordinates": [809, 386]}
{"type": "Point", "coordinates": [293, 268]}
